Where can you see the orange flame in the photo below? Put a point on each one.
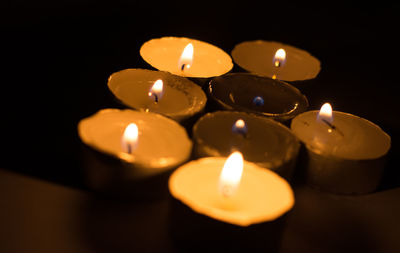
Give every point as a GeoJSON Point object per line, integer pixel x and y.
{"type": "Point", "coordinates": [279, 58]}
{"type": "Point", "coordinates": [231, 174]}
{"type": "Point", "coordinates": [157, 90]}
{"type": "Point", "coordinates": [186, 59]}
{"type": "Point", "coordinates": [129, 140]}
{"type": "Point", "coordinates": [325, 113]}
{"type": "Point", "coordinates": [239, 127]}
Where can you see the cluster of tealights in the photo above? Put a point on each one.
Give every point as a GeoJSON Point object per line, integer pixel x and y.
{"type": "Point", "coordinates": [246, 155]}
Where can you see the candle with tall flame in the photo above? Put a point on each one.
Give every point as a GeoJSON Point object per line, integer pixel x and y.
{"type": "Point", "coordinates": [279, 60]}
{"type": "Point", "coordinates": [256, 94]}
{"type": "Point", "coordinates": [128, 151]}
{"type": "Point", "coordinates": [129, 140]}
{"type": "Point", "coordinates": [228, 200]}
{"type": "Point", "coordinates": [231, 173]}
{"type": "Point", "coordinates": [157, 91]}
{"type": "Point", "coordinates": [279, 57]}
{"type": "Point", "coordinates": [276, 60]}
{"type": "Point", "coordinates": [186, 57]}
{"type": "Point", "coordinates": [263, 141]}
{"type": "Point", "coordinates": [345, 153]}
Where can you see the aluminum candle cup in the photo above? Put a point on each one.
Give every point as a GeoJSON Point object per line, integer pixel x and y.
{"type": "Point", "coordinates": [260, 95]}
{"type": "Point", "coordinates": [205, 60]}
{"type": "Point", "coordinates": [140, 169]}
{"type": "Point", "coordinates": [260, 57]}
{"type": "Point", "coordinates": [346, 156]}
{"type": "Point", "coordinates": [263, 141]}
{"type": "Point", "coordinates": [179, 98]}
{"type": "Point", "coordinates": [252, 218]}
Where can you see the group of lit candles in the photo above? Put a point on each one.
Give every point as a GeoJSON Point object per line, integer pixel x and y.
{"type": "Point", "coordinates": [246, 153]}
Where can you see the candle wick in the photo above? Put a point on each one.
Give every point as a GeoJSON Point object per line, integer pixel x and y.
{"type": "Point", "coordinates": [155, 96]}
{"type": "Point", "coordinates": [129, 148]}
{"type": "Point", "coordinates": [333, 127]}
{"type": "Point", "coordinates": [329, 124]}
{"type": "Point", "coordinates": [183, 67]}
{"type": "Point", "coordinates": [277, 63]}
{"type": "Point", "coordinates": [226, 191]}
{"type": "Point", "coordinates": [242, 133]}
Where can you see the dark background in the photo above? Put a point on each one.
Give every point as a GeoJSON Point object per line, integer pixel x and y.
{"type": "Point", "coordinates": [57, 57]}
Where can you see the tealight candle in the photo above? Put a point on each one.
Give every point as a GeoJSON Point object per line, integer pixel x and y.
{"type": "Point", "coordinates": [157, 91]}
{"type": "Point", "coordinates": [256, 94]}
{"type": "Point", "coordinates": [345, 153]}
{"type": "Point", "coordinates": [263, 141]}
{"type": "Point", "coordinates": [276, 60]}
{"type": "Point", "coordinates": [186, 57]}
{"type": "Point", "coordinates": [131, 152]}
{"type": "Point", "coordinates": [230, 202]}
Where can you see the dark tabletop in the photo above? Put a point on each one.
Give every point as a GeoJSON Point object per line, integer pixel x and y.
{"type": "Point", "coordinates": [56, 61]}
{"type": "Point", "coordinates": [37, 216]}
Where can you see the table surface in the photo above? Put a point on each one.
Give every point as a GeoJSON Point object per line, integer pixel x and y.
{"type": "Point", "coordinates": [59, 55]}
{"type": "Point", "coordinates": [38, 216]}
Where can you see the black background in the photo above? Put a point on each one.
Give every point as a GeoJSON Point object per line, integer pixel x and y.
{"type": "Point", "coordinates": [57, 57]}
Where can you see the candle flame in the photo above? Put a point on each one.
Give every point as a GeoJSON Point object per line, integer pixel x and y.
{"type": "Point", "coordinates": [129, 140]}
{"type": "Point", "coordinates": [279, 58]}
{"type": "Point", "coordinates": [239, 127]}
{"type": "Point", "coordinates": [325, 113]}
{"type": "Point", "coordinates": [157, 90]}
{"type": "Point", "coordinates": [186, 59]}
{"type": "Point", "coordinates": [240, 123]}
{"type": "Point", "coordinates": [231, 174]}
{"type": "Point", "coordinates": [258, 101]}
